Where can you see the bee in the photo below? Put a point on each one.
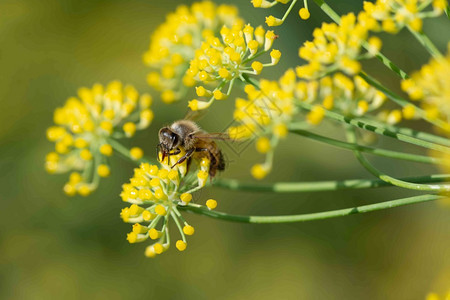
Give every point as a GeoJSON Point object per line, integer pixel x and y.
{"type": "Point", "coordinates": [196, 142]}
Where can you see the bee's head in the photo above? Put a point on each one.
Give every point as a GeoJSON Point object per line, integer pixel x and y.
{"type": "Point", "coordinates": [168, 140]}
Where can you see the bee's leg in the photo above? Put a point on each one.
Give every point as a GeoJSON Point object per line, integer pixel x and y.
{"type": "Point", "coordinates": [184, 157]}
{"type": "Point", "coordinates": [158, 147]}
{"type": "Point", "coordinates": [175, 152]}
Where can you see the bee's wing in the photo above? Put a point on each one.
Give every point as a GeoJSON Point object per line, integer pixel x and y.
{"type": "Point", "coordinates": [195, 115]}
{"type": "Point", "coordinates": [212, 135]}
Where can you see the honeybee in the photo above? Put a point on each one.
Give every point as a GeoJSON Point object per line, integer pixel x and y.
{"type": "Point", "coordinates": [196, 142]}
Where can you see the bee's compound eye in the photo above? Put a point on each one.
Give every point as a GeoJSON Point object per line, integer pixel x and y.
{"type": "Point", "coordinates": [165, 134]}
{"type": "Point", "coordinates": [174, 140]}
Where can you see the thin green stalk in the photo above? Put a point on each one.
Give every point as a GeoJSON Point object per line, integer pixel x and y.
{"type": "Point", "coordinates": [371, 150]}
{"type": "Point", "coordinates": [310, 217]}
{"type": "Point", "coordinates": [379, 130]}
{"type": "Point", "coordinates": [320, 186]}
{"type": "Point", "coordinates": [351, 137]}
{"type": "Point", "coordinates": [386, 61]}
{"type": "Point", "coordinates": [426, 42]}
{"type": "Point", "coordinates": [400, 101]}
{"type": "Point", "coordinates": [289, 10]}
{"type": "Point", "coordinates": [124, 151]}
{"type": "Point", "coordinates": [411, 132]}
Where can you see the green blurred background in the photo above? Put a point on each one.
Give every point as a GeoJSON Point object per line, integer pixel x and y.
{"type": "Point", "coordinates": [72, 248]}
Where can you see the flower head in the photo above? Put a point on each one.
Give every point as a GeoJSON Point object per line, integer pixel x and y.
{"type": "Point", "coordinates": [155, 192]}
{"type": "Point", "coordinates": [222, 60]}
{"type": "Point", "coordinates": [431, 87]}
{"type": "Point", "coordinates": [350, 96]}
{"type": "Point", "coordinates": [173, 45]}
{"type": "Point", "coordinates": [337, 47]}
{"type": "Point", "coordinates": [84, 126]}
{"type": "Point", "coordinates": [265, 114]}
{"type": "Point", "coordinates": [394, 15]}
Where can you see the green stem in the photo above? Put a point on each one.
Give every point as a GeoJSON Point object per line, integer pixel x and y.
{"type": "Point", "coordinates": [371, 150]}
{"type": "Point", "coordinates": [426, 42]}
{"type": "Point", "coordinates": [400, 101]}
{"type": "Point", "coordinates": [124, 151]}
{"type": "Point", "coordinates": [311, 217]}
{"type": "Point", "coordinates": [360, 123]}
{"type": "Point", "coordinates": [351, 137]}
{"type": "Point", "coordinates": [386, 61]}
{"type": "Point", "coordinates": [320, 186]}
{"type": "Point", "coordinates": [411, 132]}
{"type": "Point", "coordinates": [289, 10]}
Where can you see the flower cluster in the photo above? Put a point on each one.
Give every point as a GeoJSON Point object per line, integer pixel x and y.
{"type": "Point", "coordinates": [173, 44]}
{"type": "Point", "coordinates": [155, 193]}
{"type": "Point", "coordinates": [392, 16]}
{"type": "Point", "coordinates": [337, 47]}
{"type": "Point", "coordinates": [273, 21]}
{"type": "Point", "coordinates": [431, 87]}
{"type": "Point", "coordinates": [435, 296]}
{"type": "Point", "coordinates": [265, 114]}
{"type": "Point", "coordinates": [84, 127]}
{"type": "Point", "coordinates": [338, 92]}
{"type": "Point", "coordinates": [222, 60]}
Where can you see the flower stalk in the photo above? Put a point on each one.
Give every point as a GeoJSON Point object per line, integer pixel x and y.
{"type": "Point", "coordinates": [313, 216]}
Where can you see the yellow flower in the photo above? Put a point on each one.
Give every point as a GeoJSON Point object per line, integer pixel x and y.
{"type": "Point", "coordinates": [265, 113]}
{"type": "Point", "coordinates": [273, 21]}
{"type": "Point", "coordinates": [351, 96]}
{"type": "Point", "coordinates": [336, 47]}
{"type": "Point", "coordinates": [222, 59]}
{"type": "Point", "coordinates": [84, 125]}
{"type": "Point", "coordinates": [394, 15]}
{"type": "Point", "coordinates": [154, 193]}
{"type": "Point", "coordinates": [173, 45]}
{"type": "Point", "coordinates": [431, 87]}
